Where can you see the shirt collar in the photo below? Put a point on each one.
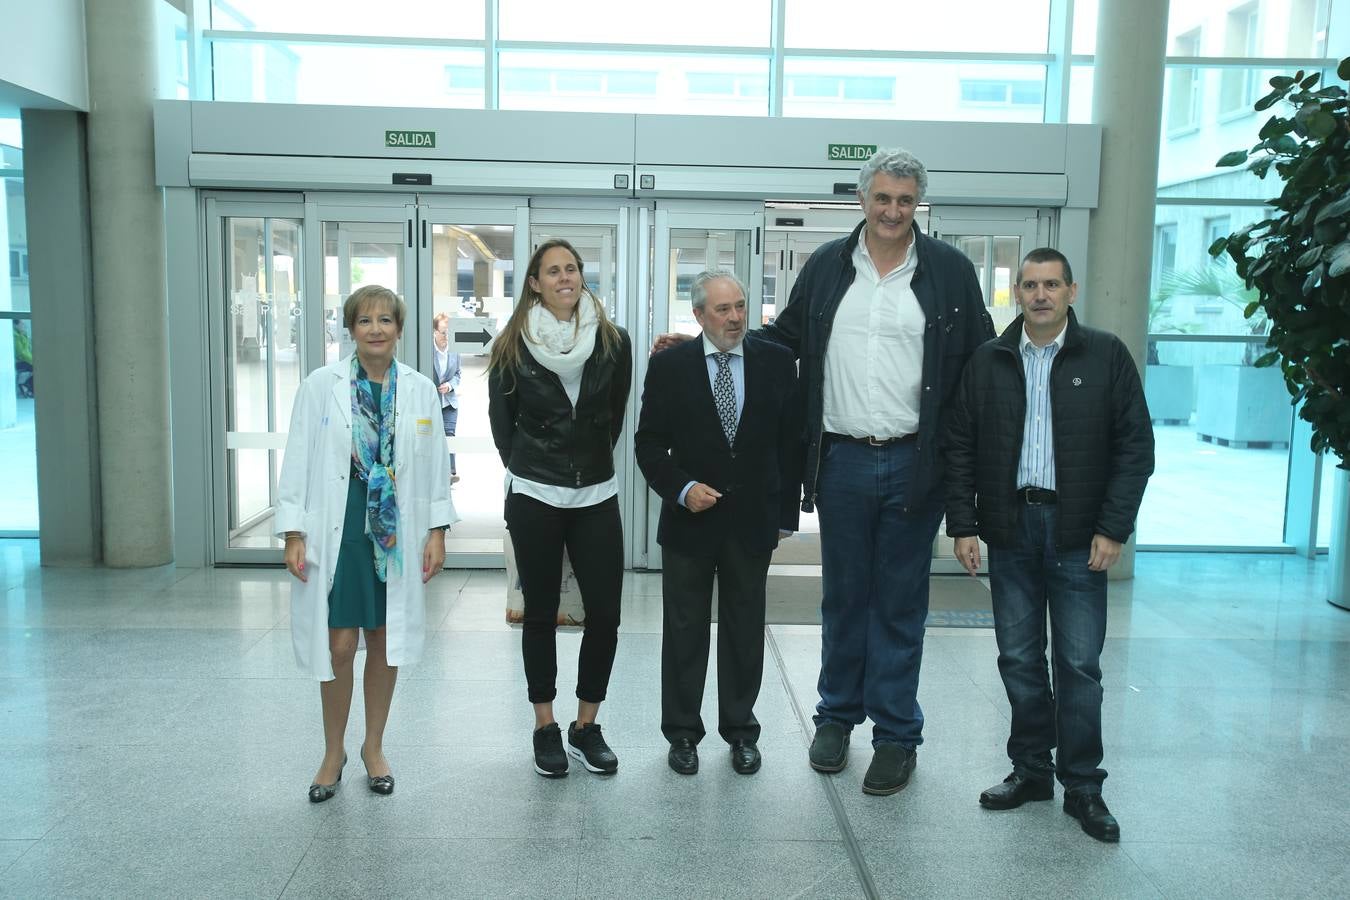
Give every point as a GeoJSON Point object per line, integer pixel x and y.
{"type": "Point", "coordinates": [709, 348]}
{"type": "Point", "coordinates": [910, 252]}
{"type": "Point", "coordinates": [1058, 341]}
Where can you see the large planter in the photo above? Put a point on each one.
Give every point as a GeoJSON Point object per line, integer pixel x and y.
{"type": "Point", "coordinates": [1338, 580]}
{"type": "Point", "coordinates": [1242, 405]}
{"type": "Point", "coordinates": [1169, 391]}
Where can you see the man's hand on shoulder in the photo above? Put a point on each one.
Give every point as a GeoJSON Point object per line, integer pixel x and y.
{"type": "Point", "coordinates": [668, 340]}
{"type": "Point", "coordinates": [1104, 553]}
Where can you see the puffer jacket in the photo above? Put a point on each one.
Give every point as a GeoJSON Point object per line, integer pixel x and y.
{"type": "Point", "coordinates": [1103, 439]}
{"type": "Point", "coordinates": [542, 437]}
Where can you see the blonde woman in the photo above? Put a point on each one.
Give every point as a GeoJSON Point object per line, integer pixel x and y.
{"type": "Point", "coordinates": [558, 382]}
{"type": "Point", "coordinates": [364, 501]}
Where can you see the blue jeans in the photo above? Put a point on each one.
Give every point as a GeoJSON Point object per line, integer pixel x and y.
{"type": "Point", "coordinates": [1027, 579]}
{"type": "Point", "coordinates": [875, 558]}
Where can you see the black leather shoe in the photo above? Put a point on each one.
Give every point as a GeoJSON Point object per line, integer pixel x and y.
{"type": "Point", "coordinates": [745, 757]}
{"type": "Point", "coordinates": [1091, 812]}
{"type": "Point", "coordinates": [829, 748]}
{"type": "Point", "coordinates": [890, 769]}
{"type": "Point", "coordinates": [379, 784]}
{"type": "Point", "coordinates": [1015, 790]}
{"type": "Point", "coordinates": [318, 793]}
{"type": "Point", "coordinates": [683, 756]}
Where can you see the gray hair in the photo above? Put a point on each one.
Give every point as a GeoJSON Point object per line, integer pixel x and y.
{"type": "Point", "coordinates": [698, 289]}
{"type": "Point", "coordinates": [897, 163]}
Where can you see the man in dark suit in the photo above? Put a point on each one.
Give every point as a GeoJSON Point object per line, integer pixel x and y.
{"type": "Point", "coordinates": [445, 368]}
{"type": "Point", "coordinates": [719, 438]}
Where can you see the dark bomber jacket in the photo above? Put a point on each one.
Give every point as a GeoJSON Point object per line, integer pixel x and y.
{"type": "Point", "coordinates": [1103, 439]}
{"type": "Point", "coordinates": [952, 302]}
{"type": "Point", "coordinates": [540, 436]}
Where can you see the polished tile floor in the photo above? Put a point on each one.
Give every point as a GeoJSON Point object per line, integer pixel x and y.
{"type": "Point", "coordinates": [157, 742]}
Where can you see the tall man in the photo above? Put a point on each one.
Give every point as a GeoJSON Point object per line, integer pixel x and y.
{"type": "Point", "coordinates": [719, 440]}
{"type": "Point", "coordinates": [1049, 446]}
{"type": "Point", "coordinates": [883, 322]}
{"type": "Point", "coordinates": [445, 369]}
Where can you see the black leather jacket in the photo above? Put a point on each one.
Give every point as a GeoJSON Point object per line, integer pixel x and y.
{"type": "Point", "coordinates": [538, 433]}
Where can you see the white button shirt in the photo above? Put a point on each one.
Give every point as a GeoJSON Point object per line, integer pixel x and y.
{"type": "Point", "coordinates": [874, 361]}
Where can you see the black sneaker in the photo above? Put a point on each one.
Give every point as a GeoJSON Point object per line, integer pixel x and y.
{"type": "Point", "coordinates": [549, 758]}
{"type": "Point", "coordinates": [590, 749]}
{"type": "Point", "coordinates": [890, 769]}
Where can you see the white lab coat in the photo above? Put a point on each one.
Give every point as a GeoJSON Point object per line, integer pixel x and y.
{"type": "Point", "coordinates": [312, 499]}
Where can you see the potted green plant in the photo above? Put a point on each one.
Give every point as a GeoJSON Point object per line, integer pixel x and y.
{"type": "Point", "coordinates": [1298, 262]}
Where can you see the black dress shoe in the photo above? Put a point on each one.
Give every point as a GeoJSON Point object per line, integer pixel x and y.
{"type": "Point", "coordinates": [1091, 812]}
{"type": "Point", "coordinates": [379, 784]}
{"type": "Point", "coordinates": [1015, 790]}
{"type": "Point", "coordinates": [318, 793]}
{"type": "Point", "coordinates": [683, 757]}
{"type": "Point", "coordinates": [890, 769]}
{"type": "Point", "coordinates": [745, 757]}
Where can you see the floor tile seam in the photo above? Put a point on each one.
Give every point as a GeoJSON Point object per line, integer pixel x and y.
{"type": "Point", "coordinates": [850, 839]}
{"type": "Point", "coordinates": [298, 863]}
{"type": "Point", "coordinates": [1149, 879]}
{"type": "Point", "coordinates": [31, 842]}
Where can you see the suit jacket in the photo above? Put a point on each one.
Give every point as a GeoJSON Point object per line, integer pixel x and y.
{"type": "Point", "coordinates": [680, 439]}
{"type": "Point", "coordinates": [450, 374]}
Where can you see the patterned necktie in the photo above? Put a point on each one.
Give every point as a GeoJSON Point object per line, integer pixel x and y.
{"type": "Point", "coordinates": [724, 394]}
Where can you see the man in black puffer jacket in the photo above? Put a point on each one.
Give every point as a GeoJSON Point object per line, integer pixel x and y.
{"type": "Point", "coordinates": [1049, 445]}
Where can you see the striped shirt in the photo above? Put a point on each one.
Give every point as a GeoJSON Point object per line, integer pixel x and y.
{"type": "Point", "coordinates": [1036, 467]}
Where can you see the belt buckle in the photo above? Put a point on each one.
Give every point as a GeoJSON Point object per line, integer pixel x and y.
{"type": "Point", "coordinates": [872, 441]}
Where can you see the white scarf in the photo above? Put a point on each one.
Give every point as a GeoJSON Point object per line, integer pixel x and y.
{"type": "Point", "coordinates": [563, 347]}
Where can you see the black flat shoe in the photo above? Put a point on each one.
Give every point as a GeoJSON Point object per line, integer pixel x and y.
{"type": "Point", "coordinates": [1015, 790]}
{"type": "Point", "coordinates": [745, 758]}
{"type": "Point", "coordinates": [379, 784]}
{"type": "Point", "coordinates": [1091, 812]}
{"type": "Point", "coordinates": [683, 756]}
{"type": "Point", "coordinates": [318, 793]}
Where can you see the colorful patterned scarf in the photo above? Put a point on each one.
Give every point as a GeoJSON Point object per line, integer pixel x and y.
{"type": "Point", "coordinates": [372, 441]}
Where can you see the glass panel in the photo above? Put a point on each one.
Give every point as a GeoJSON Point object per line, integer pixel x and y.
{"type": "Point", "coordinates": [472, 280]}
{"type": "Point", "coordinates": [1193, 293]}
{"type": "Point", "coordinates": [775, 289]}
{"type": "Point", "coordinates": [1326, 498]}
{"type": "Point", "coordinates": [976, 26]}
{"type": "Point", "coordinates": [633, 82]}
{"type": "Point", "coordinates": [356, 254]}
{"type": "Point", "coordinates": [263, 366]}
{"type": "Point", "coordinates": [1222, 432]}
{"type": "Point", "coordinates": [1292, 28]}
{"type": "Point", "coordinates": [742, 24]}
{"type": "Point", "coordinates": [884, 89]}
{"type": "Point", "coordinates": [270, 72]}
{"type": "Point", "coordinates": [1080, 94]}
{"type": "Point", "coordinates": [18, 436]}
{"type": "Point", "coordinates": [693, 250]}
{"type": "Point", "coordinates": [996, 258]}
{"type": "Point", "coordinates": [393, 18]}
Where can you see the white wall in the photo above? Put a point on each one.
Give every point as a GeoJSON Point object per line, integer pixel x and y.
{"type": "Point", "coordinates": [42, 50]}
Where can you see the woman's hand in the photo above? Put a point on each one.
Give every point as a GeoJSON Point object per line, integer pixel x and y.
{"type": "Point", "coordinates": [433, 554]}
{"type": "Point", "coordinates": [295, 556]}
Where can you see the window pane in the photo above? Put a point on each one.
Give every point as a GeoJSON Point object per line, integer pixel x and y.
{"type": "Point", "coordinates": [268, 72]}
{"type": "Point", "coordinates": [18, 436]}
{"type": "Point", "coordinates": [1292, 28]}
{"type": "Point", "coordinates": [1080, 94]}
{"type": "Point", "coordinates": [699, 22]}
{"type": "Point", "coordinates": [634, 82]}
{"type": "Point", "coordinates": [977, 26]}
{"type": "Point", "coordinates": [1193, 293]}
{"type": "Point", "coordinates": [391, 18]}
{"type": "Point", "coordinates": [885, 89]}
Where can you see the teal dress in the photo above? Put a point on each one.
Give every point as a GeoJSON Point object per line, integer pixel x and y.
{"type": "Point", "coordinates": [358, 597]}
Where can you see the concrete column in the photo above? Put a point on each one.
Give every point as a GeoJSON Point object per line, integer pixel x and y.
{"type": "Point", "coordinates": [1127, 103]}
{"type": "Point", "coordinates": [57, 192]}
{"type": "Point", "coordinates": [131, 310]}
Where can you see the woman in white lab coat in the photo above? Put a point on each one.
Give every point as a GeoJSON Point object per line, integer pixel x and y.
{"type": "Point", "coordinates": [360, 548]}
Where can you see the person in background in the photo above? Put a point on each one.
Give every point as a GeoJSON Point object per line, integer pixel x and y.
{"type": "Point", "coordinates": [363, 504]}
{"type": "Point", "coordinates": [446, 372]}
{"type": "Point", "coordinates": [558, 381]}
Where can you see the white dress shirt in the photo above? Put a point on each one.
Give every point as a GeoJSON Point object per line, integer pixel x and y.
{"type": "Point", "coordinates": [874, 361]}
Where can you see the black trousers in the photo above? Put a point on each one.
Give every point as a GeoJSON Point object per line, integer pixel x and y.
{"type": "Point", "coordinates": [687, 587]}
{"type": "Point", "coordinates": [593, 536]}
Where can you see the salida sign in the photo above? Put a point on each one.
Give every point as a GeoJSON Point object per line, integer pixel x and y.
{"type": "Point", "coordinates": [851, 152]}
{"type": "Point", "coordinates": [421, 139]}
